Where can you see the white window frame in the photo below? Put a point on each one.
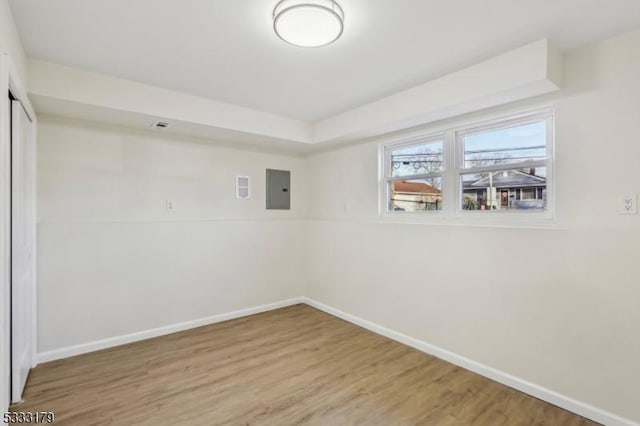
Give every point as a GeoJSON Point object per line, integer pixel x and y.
{"type": "Point", "coordinates": [453, 169]}
{"type": "Point", "coordinates": [387, 171]}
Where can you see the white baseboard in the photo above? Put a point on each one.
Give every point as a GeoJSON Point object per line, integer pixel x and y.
{"type": "Point", "coordinates": [160, 331]}
{"type": "Point", "coordinates": [570, 404]}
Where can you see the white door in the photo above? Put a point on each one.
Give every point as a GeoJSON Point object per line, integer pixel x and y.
{"type": "Point", "coordinates": [22, 248]}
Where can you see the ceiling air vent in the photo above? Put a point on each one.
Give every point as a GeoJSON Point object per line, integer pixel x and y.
{"type": "Point", "coordinates": [161, 124]}
{"type": "Point", "coordinates": [242, 187]}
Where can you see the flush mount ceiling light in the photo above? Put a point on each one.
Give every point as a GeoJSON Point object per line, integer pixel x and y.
{"type": "Point", "coordinates": [308, 23]}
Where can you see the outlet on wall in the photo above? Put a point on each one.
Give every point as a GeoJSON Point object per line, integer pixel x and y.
{"type": "Point", "coordinates": [628, 204]}
{"type": "Point", "coordinates": [171, 206]}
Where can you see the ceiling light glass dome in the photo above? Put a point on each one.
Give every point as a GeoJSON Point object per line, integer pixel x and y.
{"type": "Point", "coordinates": [308, 23]}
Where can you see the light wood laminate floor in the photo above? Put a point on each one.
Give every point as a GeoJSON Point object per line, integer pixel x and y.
{"type": "Point", "coordinates": [295, 365]}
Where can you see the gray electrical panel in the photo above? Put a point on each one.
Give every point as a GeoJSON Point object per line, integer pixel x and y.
{"type": "Point", "coordinates": [278, 189]}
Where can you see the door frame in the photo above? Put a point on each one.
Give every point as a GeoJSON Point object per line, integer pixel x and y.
{"type": "Point", "coordinates": [10, 82]}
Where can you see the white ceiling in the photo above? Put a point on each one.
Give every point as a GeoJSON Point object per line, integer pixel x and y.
{"type": "Point", "coordinates": [226, 49]}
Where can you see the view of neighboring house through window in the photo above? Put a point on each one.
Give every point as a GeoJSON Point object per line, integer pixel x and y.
{"type": "Point", "coordinates": [504, 167]}
{"type": "Point", "coordinates": [500, 166]}
{"type": "Point", "coordinates": [415, 182]}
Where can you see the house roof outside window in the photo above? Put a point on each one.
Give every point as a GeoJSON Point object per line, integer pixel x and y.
{"type": "Point", "coordinates": [509, 179]}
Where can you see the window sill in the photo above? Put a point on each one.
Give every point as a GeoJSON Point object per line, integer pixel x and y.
{"type": "Point", "coordinates": [474, 219]}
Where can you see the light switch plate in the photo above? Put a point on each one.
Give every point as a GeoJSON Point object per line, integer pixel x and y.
{"type": "Point", "coordinates": [628, 204]}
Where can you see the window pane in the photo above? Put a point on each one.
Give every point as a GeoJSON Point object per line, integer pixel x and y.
{"type": "Point", "coordinates": [416, 195]}
{"type": "Point", "coordinates": [506, 146]}
{"type": "Point", "coordinates": [516, 189]}
{"type": "Point", "coordinates": [417, 159]}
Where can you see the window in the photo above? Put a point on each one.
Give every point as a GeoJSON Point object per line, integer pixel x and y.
{"type": "Point", "coordinates": [501, 166]}
{"type": "Point", "coordinates": [415, 176]}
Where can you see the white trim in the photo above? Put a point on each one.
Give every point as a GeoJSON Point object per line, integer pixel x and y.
{"type": "Point", "coordinates": [476, 118]}
{"type": "Point", "coordinates": [503, 121]}
{"type": "Point", "coordinates": [110, 342]}
{"type": "Point", "coordinates": [546, 114]}
{"type": "Point", "coordinates": [385, 148]}
{"type": "Point", "coordinates": [544, 394]}
{"type": "Point", "coordinates": [34, 262]}
{"type": "Point", "coordinates": [18, 90]}
{"type": "Point", "coordinates": [5, 282]}
{"type": "Point", "coordinates": [451, 134]}
{"type": "Point", "coordinates": [9, 82]}
{"type": "Point", "coordinates": [552, 397]}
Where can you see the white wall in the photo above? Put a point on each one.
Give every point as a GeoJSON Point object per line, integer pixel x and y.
{"type": "Point", "coordinates": [112, 260]}
{"type": "Point", "coordinates": [10, 43]}
{"type": "Point", "coordinates": [556, 307]}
